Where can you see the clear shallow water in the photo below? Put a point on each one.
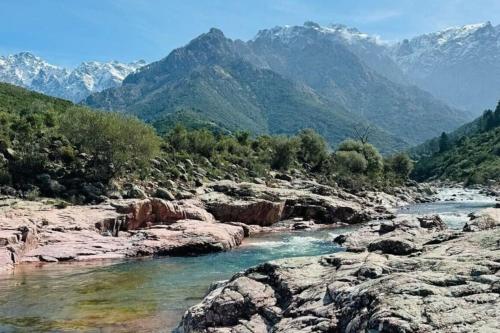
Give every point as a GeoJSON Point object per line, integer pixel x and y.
{"type": "Point", "coordinates": [151, 294]}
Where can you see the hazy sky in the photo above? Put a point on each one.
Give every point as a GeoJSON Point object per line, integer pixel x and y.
{"type": "Point", "coordinates": [66, 32]}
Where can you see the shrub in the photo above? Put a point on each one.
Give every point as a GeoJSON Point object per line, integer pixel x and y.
{"type": "Point", "coordinates": [496, 150]}
{"type": "Point", "coordinates": [115, 142]}
{"type": "Point", "coordinates": [177, 138]}
{"type": "Point", "coordinates": [400, 164]}
{"type": "Point", "coordinates": [351, 161]}
{"type": "Point", "coordinates": [5, 178]}
{"type": "Point", "coordinates": [373, 159]}
{"type": "Point", "coordinates": [312, 148]}
{"type": "Point", "coordinates": [284, 152]}
{"type": "Point", "coordinates": [243, 137]}
{"type": "Point", "coordinates": [202, 142]}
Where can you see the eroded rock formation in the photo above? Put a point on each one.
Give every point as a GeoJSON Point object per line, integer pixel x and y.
{"type": "Point", "coordinates": [263, 205]}
{"type": "Point", "coordinates": [439, 282]}
{"type": "Point", "coordinates": [39, 232]}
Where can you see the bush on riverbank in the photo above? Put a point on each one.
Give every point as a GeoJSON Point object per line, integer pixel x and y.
{"type": "Point", "coordinates": [239, 156]}
{"type": "Point", "coordinates": [51, 147]}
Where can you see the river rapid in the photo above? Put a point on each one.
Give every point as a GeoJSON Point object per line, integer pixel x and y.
{"type": "Point", "coordinates": [152, 294]}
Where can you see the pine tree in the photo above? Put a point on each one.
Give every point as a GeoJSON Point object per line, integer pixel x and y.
{"type": "Point", "coordinates": [496, 115]}
{"type": "Point", "coordinates": [444, 142]}
{"type": "Point", "coordinates": [487, 121]}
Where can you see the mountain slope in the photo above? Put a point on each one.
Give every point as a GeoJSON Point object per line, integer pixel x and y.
{"type": "Point", "coordinates": [474, 159]}
{"type": "Point", "coordinates": [471, 153]}
{"type": "Point", "coordinates": [369, 49]}
{"type": "Point", "coordinates": [460, 65]}
{"type": "Point", "coordinates": [310, 55]}
{"type": "Point", "coordinates": [29, 71]}
{"type": "Point", "coordinates": [211, 76]}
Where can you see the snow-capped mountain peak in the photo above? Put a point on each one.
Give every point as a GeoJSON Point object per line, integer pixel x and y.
{"type": "Point", "coordinates": [450, 45]}
{"type": "Point", "coordinates": [461, 32]}
{"type": "Point", "coordinates": [22, 68]}
{"type": "Point", "coordinates": [339, 31]}
{"type": "Point", "coordinates": [458, 64]}
{"type": "Point", "coordinates": [368, 48]}
{"type": "Point", "coordinates": [30, 71]}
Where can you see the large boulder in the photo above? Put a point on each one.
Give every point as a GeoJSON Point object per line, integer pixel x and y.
{"type": "Point", "coordinates": [14, 243]}
{"type": "Point", "coordinates": [265, 205]}
{"type": "Point", "coordinates": [189, 237]}
{"type": "Point", "coordinates": [241, 298]}
{"type": "Point", "coordinates": [485, 219]}
{"type": "Point", "coordinates": [135, 192]}
{"type": "Point", "coordinates": [433, 222]}
{"type": "Point", "coordinates": [325, 210]}
{"type": "Point", "coordinates": [393, 245]}
{"type": "Point", "coordinates": [163, 193]}
{"type": "Point", "coordinates": [143, 213]}
{"type": "Point", "coordinates": [402, 236]}
{"type": "Point", "coordinates": [259, 212]}
{"type": "Point", "coordinates": [6, 259]}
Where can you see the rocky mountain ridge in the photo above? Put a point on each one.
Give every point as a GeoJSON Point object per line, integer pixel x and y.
{"type": "Point", "coordinates": [306, 77]}
{"type": "Point", "coordinates": [351, 68]}
{"type": "Point", "coordinates": [215, 77]}
{"type": "Point", "coordinates": [29, 71]}
{"type": "Point", "coordinates": [460, 65]}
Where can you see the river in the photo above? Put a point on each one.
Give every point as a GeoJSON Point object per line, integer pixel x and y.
{"type": "Point", "coordinates": [151, 294]}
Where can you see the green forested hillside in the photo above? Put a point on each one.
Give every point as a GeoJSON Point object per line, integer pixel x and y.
{"type": "Point", "coordinates": [13, 99]}
{"type": "Point", "coordinates": [190, 118]}
{"type": "Point", "coordinates": [50, 146]}
{"type": "Point", "coordinates": [470, 154]}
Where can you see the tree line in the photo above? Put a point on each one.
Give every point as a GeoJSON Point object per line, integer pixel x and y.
{"type": "Point", "coordinates": [52, 147]}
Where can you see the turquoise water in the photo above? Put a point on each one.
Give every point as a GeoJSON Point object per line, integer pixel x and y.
{"type": "Point", "coordinates": [150, 295]}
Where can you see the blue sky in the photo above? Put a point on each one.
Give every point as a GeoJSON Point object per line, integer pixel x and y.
{"type": "Point", "coordinates": [66, 32]}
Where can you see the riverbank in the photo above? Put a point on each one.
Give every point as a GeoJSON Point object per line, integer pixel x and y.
{"type": "Point", "coordinates": [408, 275]}
{"type": "Point", "coordinates": [216, 219]}
{"type": "Point", "coordinates": [152, 294]}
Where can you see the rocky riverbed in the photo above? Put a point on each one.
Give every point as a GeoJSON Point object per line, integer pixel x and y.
{"type": "Point", "coordinates": [216, 219]}
{"type": "Point", "coordinates": [411, 274]}
{"type": "Point", "coordinates": [81, 294]}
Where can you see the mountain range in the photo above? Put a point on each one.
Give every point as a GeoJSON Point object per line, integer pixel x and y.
{"type": "Point", "coordinates": [460, 65]}
{"type": "Point", "coordinates": [284, 79]}
{"type": "Point", "coordinates": [29, 71]}
{"type": "Point", "coordinates": [212, 78]}
{"type": "Point", "coordinates": [331, 61]}
{"type": "Point", "coordinates": [330, 78]}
